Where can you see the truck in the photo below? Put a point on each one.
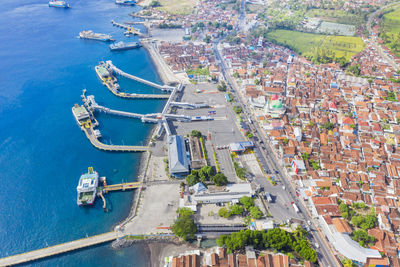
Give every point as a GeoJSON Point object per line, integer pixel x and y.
{"type": "Point", "coordinates": [268, 197]}
{"type": "Point", "coordinates": [296, 209]}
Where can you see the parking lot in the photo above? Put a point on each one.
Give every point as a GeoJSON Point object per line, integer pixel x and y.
{"type": "Point", "coordinates": [219, 132]}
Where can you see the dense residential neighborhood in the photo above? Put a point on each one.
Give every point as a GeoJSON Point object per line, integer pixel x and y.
{"type": "Point", "coordinates": [336, 131]}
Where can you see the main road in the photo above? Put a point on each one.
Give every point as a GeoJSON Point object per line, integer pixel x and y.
{"type": "Point", "coordinates": [269, 159]}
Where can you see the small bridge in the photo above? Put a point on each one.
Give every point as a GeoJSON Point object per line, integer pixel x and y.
{"type": "Point", "coordinates": [58, 249]}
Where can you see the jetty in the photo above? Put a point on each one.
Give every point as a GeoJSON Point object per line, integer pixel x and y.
{"type": "Point", "coordinates": [110, 67]}
{"type": "Point", "coordinates": [58, 249]}
{"type": "Point", "coordinates": [116, 148]}
{"type": "Point", "coordinates": [121, 187]}
{"type": "Point", "coordinates": [129, 29]}
{"type": "Point", "coordinates": [92, 105]}
{"type": "Point", "coordinates": [110, 82]}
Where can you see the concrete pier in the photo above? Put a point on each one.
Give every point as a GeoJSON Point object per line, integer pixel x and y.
{"type": "Point", "coordinates": [58, 249]}
{"type": "Point", "coordinates": [113, 68]}
{"type": "Point", "coordinates": [96, 143]}
{"type": "Point", "coordinates": [129, 29]}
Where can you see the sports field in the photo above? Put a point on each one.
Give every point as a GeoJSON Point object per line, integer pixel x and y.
{"type": "Point", "coordinates": [307, 43]}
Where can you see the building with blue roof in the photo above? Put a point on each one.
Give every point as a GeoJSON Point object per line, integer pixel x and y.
{"type": "Point", "coordinates": [178, 156]}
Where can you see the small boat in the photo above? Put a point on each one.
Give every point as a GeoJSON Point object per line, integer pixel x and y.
{"type": "Point", "coordinates": [58, 3]}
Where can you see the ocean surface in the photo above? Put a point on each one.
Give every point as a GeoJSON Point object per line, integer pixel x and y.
{"type": "Point", "coordinates": [43, 152]}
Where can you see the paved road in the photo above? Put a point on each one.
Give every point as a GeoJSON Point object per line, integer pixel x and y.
{"type": "Point", "coordinates": [372, 38]}
{"type": "Point", "coordinates": [268, 159]}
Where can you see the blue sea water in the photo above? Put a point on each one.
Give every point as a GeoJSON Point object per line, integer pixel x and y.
{"type": "Point", "coordinates": [43, 70]}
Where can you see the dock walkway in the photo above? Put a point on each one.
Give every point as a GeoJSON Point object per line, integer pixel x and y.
{"type": "Point", "coordinates": [123, 187]}
{"type": "Point", "coordinates": [95, 142]}
{"type": "Point", "coordinates": [92, 105]}
{"type": "Point", "coordinates": [110, 66]}
{"type": "Point", "coordinates": [58, 249]}
{"type": "Point", "coordinates": [129, 29]}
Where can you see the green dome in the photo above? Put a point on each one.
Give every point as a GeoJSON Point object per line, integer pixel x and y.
{"type": "Point", "coordinates": [276, 104]}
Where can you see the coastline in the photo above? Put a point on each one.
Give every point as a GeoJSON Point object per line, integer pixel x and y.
{"type": "Point", "coordinates": [163, 70]}
{"type": "Point", "coordinates": [155, 248]}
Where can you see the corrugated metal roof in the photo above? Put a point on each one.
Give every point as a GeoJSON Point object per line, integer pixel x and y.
{"type": "Point", "coordinates": [177, 155]}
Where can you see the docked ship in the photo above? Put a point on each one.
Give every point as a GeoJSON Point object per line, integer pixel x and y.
{"type": "Point", "coordinates": [87, 187]}
{"type": "Point", "coordinates": [125, 2]}
{"type": "Point", "coordinates": [124, 46]}
{"type": "Point", "coordinates": [81, 114]}
{"type": "Point", "coordinates": [95, 36]}
{"type": "Point", "coordinates": [58, 3]}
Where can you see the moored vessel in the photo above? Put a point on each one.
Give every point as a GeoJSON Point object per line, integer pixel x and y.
{"type": "Point", "coordinates": [58, 3]}
{"type": "Point", "coordinates": [87, 187]}
{"type": "Point", "coordinates": [81, 114]}
{"type": "Point", "coordinates": [124, 46]}
{"type": "Point", "coordinates": [125, 2]}
{"type": "Point", "coordinates": [95, 36]}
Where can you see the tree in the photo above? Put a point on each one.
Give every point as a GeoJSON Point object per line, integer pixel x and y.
{"type": "Point", "coordinates": [223, 212]}
{"type": "Point", "coordinates": [222, 86]}
{"type": "Point", "coordinates": [255, 212]}
{"type": "Point", "coordinates": [328, 125]}
{"type": "Point", "coordinates": [305, 156]}
{"type": "Point", "coordinates": [184, 212]}
{"type": "Point", "coordinates": [362, 237]}
{"type": "Point", "coordinates": [220, 179]}
{"type": "Point", "coordinates": [184, 225]}
{"type": "Point", "coordinates": [192, 179]}
{"type": "Point", "coordinates": [205, 173]}
{"type": "Point", "coordinates": [207, 39]}
{"type": "Point", "coordinates": [236, 209]}
{"type": "Point", "coordinates": [355, 69]}
{"type": "Point", "coordinates": [343, 207]}
{"type": "Point", "coordinates": [195, 133]}
{"type": "Point", "coordinates": [247, 202]}
{"type": "Point", "coordinates": [237, 109]}
{"type": "Point", "coordinates": [285, 141]}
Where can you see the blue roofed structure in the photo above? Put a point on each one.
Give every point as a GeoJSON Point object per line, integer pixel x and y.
{"type": "Point", "coordinates": [241, 146]}
{"type": "Point", "coordinates": [178, 156]}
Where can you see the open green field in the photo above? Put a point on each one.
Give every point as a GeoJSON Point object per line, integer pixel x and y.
{"type": "Point", "coordinates": [391, 21]}
{"type": "Point", "coordinates": [181, 7]}
{"type": "Point", "coordinates": [307, 43]}
{"type": "Point", "coordinates": [336, 15]}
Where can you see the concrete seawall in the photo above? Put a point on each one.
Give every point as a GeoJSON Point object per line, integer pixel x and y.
{"type": "Point", "coordinates": [162, 68]}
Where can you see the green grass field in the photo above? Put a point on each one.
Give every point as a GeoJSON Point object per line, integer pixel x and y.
{"type": "Point", "coordinates": [178, 7]}
{"type": "Point", "coordinates": [307, 43]}
{"type": "Point", "coordinates": [391, 21]}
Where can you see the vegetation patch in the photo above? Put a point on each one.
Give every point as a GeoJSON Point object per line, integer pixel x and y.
{"type": "Point", "coordinates": [276, 239]}
{"type": "Point", "coordinates": [184, 225]}
{"type": "Point", "coordinates": [318, 48]}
